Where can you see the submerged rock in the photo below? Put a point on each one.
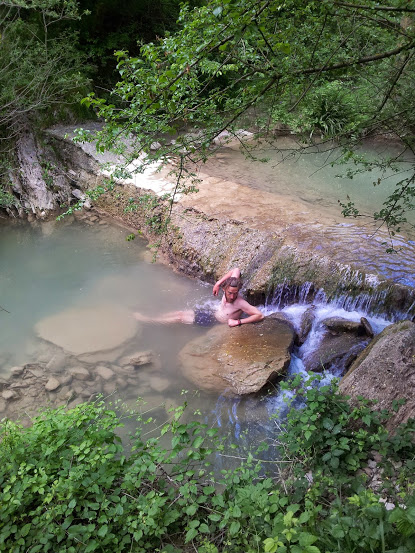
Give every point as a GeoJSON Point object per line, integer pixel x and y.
{"type": "Point", "coordinates": [52, 384]}
{"type": "Point", "coordinates": [240, 360]}
{"type": "Point", "coordinates": [81, 331]}
{"type": "Point", "coordinates": [385, 371]}
{"type": "Point", "coordinates": [138, 359]}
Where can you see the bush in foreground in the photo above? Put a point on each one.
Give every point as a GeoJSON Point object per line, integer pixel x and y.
{"type": "Point", "coordinates": [67, 485]}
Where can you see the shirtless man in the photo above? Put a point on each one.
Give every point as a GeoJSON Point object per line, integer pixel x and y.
{"type": "Point", "coordinates": [230, 309]}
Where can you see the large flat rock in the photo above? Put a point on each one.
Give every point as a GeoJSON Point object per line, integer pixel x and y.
{"type": "Point", "coordinates": [87, 330]}
{"type": "Point", "coordinates": [240, 360]}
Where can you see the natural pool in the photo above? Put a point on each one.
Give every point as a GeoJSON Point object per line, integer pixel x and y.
{"type": "Point", "coordinates": [56, 268]}
{"type": "Point", "coordinates": [53, 268]}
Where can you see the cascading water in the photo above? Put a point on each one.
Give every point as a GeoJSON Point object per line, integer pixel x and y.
{"type": "Point", "coordinates": [258, 417]}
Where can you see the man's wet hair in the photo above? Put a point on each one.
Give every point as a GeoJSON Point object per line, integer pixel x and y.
{"type": "Point", "coordinates": [232, 281]}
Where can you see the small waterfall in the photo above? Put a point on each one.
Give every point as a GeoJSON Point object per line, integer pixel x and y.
{"type": "Point", "coordinates": [394, 302]}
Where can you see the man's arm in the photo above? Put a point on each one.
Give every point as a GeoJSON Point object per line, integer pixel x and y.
{"type": "Point", "coordinates": [254, 314]}
{"type": "Point", "coordinates": [232, 273]}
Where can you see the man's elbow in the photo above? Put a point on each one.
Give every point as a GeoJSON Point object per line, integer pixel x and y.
{"type": "Point", "coordinates": [261, 317]}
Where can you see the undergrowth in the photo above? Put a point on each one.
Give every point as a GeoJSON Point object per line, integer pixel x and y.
{"type": "Point", "coordinates": [68, 485]}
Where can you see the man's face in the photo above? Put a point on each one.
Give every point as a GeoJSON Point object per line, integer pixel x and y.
{"type": "Point", "coordinates": [231, 293]}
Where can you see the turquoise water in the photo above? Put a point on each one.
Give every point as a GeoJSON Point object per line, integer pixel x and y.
{"type": "Point", "coordinates": [310, 180]}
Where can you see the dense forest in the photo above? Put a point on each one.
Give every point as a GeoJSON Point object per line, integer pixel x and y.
{"type": "Point", "coordinates": [325, 70]}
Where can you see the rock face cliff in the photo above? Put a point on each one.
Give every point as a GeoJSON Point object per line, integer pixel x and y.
{"type": "Point", "coordinates": [279, 243]}
{"type": "Point", "coordinates": [385, 372]}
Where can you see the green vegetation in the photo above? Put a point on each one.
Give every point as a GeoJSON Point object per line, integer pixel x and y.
{"type": "Point", "coordinates": [67, 484]}
{"type": "Point", "coordinates": [328, 70]}
{"type": "Point", "coordinates": [333, 72]}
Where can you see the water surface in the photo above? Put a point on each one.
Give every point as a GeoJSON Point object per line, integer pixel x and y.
{"type": "Point", "coordinates": [54, 267]}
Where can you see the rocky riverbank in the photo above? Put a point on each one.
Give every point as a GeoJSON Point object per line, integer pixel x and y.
{"type": "Point", "coordinates": [284, 246]}
{"type": "Point", "coordinates": [272, 239]}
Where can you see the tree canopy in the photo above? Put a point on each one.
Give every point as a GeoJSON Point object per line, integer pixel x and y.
{"type": "Point", "coordinates": [328, 69]}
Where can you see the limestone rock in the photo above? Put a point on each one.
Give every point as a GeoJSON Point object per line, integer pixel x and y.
{"type": "Point", "coordinates": [2, 405]}
{"type": "Point", "coordinates": [87, 330]}
{"type": "Point", "coordinates": [107, 356]}
{"type": "Point", "coordinates": [338, 325]}
{"type": "Point", "coordinates": [9, 395]}
{"type": "Point", "coordinates": [80, 373]}
{"type": "Point", "coordinates": [66, 379]}
{"type": "Point", "coordinates": [52, 384]}
{"type": "Point", "coordinates": [306, 323]}
{"type": "Point", "coordinates": [16, 371]}
{"type": "Point", "coordinates": [104, 372]}
{"type": "Point", "coordinates": [335, 353]}
{"type": "Point", "coordinates": [57, 363]}
{"type": "Point", "coordinates": [33, 370]}
{"type": "Point", "coordinates": [239, 360]}
{"type": "Point", "coordinates": [367, 326]}
{"type": "Point", "coordinates": [138, 359]}
{"type": "Point", "coordinates": [385, 371]}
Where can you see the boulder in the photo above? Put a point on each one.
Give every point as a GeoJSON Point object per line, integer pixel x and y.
{"type": "Point", "coordinates": [335, 353]}
{"type": "Point", "coordinates": [79, 373]}
{"type": "Point", "coordinates": [9, 395]}
{"type": "Point", "coordinates": [240, 360]}
{"type": "Point", "coordinates": [86, 330]}
{"type": "Point", "coordinates": [16, 371]}
{"type": "Point", "coordinates": [52, 384]}
{"type": "Point", "coordinates": [385, 371]}
{"type": "Point", "coordinates": [138, 359]}
{"type": "Point", "coordinates": [368, 327]}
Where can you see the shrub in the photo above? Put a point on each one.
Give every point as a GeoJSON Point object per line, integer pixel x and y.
{"type": "Point", "coordinates": [67, 485]}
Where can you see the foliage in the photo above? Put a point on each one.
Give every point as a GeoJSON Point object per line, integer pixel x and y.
{"type": "Point", "coordinates": [341, 70]}
{"type": "Point", "coordinates": [111, 25]}
{"type": "Point", "coordinates": [40, 67]}
{"type": "Point", "coordinates": [41, 72]}
{"type": "Point", "coordinates": [67, 485]}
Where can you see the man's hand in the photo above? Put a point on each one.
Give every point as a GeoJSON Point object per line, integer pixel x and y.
{"type": "Point", "coordinates": [234, 322]}
{"type": "Point", "coordinates": [216, 289]}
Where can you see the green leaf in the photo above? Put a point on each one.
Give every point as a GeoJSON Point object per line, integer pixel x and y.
{"type": "Point", "coordinates": [234, 528]}
{"type": "Point", "coordinates": [190, 534]}
{"type": "Point", "coordinates": [306, 539]}
{"type": "Point", "coordinates": [102, 532]}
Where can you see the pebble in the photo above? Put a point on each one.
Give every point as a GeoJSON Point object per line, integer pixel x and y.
{"type": "Point", "coordinates": [52, 384]}
{"type": "Point", "coordinates": [80, 373]}
{"type": "Point", "coordinates": [8, 395]}
{"type": "Point", "coordinates": [105, 372]}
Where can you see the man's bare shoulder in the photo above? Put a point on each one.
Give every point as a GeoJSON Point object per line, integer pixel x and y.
{"type": "Point", "coordinates": [246, 307]}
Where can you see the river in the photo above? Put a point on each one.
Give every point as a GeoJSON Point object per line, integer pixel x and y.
{"type": "Point", "coordinates": [54, 268]}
